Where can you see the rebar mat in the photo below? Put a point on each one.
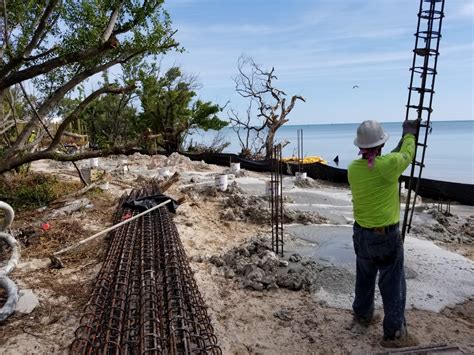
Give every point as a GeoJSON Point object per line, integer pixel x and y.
{"type": "Point", "coordinates": [145, 299]}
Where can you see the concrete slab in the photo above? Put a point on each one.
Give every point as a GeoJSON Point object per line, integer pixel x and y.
{"type": "Point", "coordinates": [327, 244]}
{"type": "Point", "coordinates": [252, 185]}
{"type": "Point", "coordinates": [332, 197]}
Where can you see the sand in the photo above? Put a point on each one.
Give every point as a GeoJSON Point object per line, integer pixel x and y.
{"type": "Point", "coordinates": [314, 320]}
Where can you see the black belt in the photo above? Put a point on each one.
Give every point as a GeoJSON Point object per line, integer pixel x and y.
{"type": "Point", "coordinates": [378, 230]}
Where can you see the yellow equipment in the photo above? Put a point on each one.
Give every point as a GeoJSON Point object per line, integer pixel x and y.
{"type": "Point", "coordinates": [306, 160]}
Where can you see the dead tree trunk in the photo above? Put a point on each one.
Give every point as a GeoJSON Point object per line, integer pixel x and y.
{"type": "Point", "coordinates": [257, 85]}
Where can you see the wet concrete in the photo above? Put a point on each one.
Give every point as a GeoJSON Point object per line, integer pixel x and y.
{"type": "Point", "coordinates": [327, 244]}
{"type": "Point", "coordinates": [436, 277]}
{"type": "Point", "coordinates": [251, 185]}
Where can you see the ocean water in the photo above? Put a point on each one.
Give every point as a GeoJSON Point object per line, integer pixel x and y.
{"type": "Point", "coordinates": [449, 156]}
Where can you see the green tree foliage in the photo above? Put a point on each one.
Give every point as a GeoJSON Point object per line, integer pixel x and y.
{"type": "Point", "coordinates": [110, 121]}
{"type": "Point", "coordinates": [170, 109]}
{"type": "Point", "coordinates": [56, 45]}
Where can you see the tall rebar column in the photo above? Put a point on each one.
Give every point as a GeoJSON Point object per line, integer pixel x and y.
{"type": "Point", "coordinates": [300, 149]}
{"type": "Point", "coordinates": [422, 81]}
{"type": "Point", "coordinates": [276, 200]}
{"type": "Point", "coordinates": [145, 299]}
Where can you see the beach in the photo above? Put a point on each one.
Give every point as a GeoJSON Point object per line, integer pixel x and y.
{"type": "Point", "coordinates": [298, 303]}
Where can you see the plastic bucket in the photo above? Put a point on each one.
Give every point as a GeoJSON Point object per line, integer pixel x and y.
{"type": "Point", "coordinates": [124, 165]}
{"type": "Point", "coordinates": [94, 162]}
{"type": "Point", "coordinates": [235, 167]}
{"type": "Point", "coordinates": [221, 182]}
{"type": "Point", "coordinates": [301, 175]}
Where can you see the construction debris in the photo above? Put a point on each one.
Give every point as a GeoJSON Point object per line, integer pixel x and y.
{"type": "Point", "coordinates": [257, 267]}
{"type": "Point", "coordinates": [255, 209]}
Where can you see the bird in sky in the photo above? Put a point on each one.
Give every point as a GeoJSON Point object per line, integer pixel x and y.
{"type": "Point", "coordinates": [355, 86]}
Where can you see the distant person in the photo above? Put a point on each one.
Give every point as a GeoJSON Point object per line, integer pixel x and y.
{"type": "Point", "coordinates": [377, 241]}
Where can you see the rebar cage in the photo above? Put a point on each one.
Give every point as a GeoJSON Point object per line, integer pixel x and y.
{"type": "Point", "coordinates": [421, 91]}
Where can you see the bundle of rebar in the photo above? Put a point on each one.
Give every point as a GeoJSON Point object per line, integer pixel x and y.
{"type": "Point", "coordinates": [145, 299]}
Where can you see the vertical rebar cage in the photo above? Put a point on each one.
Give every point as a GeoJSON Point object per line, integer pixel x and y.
{"type": "Point", "coordinates": [421, 92]}
{"type": "Point", "coordinates": [276, 200]}
{"type": "Point", "coordinates": [300, 149]}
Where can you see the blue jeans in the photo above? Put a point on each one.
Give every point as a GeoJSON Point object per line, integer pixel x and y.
{"type": "Point", "coordinates": [381, 253]}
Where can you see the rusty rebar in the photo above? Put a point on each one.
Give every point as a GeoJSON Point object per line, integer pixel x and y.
{"type": "Point", "coordinates": [145, 299]}
{"type": "Point", "coordinates": [276, 200]}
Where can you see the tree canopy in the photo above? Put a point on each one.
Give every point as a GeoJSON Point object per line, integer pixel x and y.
{"type": "Point", "coordinates": [169, 108]}
{"type": "Point", "coordinates": [54, 46]}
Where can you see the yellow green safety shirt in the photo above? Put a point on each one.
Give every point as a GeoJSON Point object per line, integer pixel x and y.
{"type": "Point", "coordinates": [375, 191]}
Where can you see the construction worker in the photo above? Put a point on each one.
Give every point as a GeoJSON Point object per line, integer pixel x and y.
{"type": "Point", "coordinates": [377, 241]}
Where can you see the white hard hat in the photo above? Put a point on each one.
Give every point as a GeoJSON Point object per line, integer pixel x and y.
{"type": "Point", "coordinates": [370, 134]}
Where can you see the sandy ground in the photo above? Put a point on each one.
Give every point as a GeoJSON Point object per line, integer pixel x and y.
{"type": "Point", "coordinates": [277, 321]}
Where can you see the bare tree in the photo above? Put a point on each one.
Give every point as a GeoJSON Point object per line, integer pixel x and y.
{"type": "Point", "coordinates": [251, 138]}
{"type": "Point", "coordinates": [257, 85]}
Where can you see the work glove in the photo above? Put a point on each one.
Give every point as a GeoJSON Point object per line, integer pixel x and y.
{"type": "Point", "coordinates": [410, 127]}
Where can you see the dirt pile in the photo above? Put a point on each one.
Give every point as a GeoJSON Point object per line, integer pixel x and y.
{"type": "Point", "coordinates": [255, 266]}
{"type": "Point", "coordinates": [307, 183]}
{"type": "Point", "coordinates": [240, 206]}
{"type": "Point", "coordinates": [447, 228]}
{"type": "Point", "coordinates": [256, 209]}
{"type": "Point", "coordinates": [177, 163]}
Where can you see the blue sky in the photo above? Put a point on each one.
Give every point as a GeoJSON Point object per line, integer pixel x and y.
{"type": "Point", "coordinates": [320, 49]}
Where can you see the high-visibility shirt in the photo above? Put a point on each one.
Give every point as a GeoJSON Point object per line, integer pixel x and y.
{"type": "Point", "coordinates": [375, 198]}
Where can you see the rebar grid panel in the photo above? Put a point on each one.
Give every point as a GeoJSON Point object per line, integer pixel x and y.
{"type": "Point", "coordinates": [422, 81]}
{"type": "Point", "coordinates": [145, 299]}
{"type": "Point", "coordinates": [276, 200]}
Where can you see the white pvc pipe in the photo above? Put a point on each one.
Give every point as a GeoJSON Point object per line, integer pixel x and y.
{"type": "Point", "coordinates": [111, 228]}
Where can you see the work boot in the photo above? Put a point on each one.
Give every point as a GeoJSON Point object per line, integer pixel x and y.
{"type": "Point", "coordinates": [401, 339]}
{"type": "Point", "coordinates": [360, 325]}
